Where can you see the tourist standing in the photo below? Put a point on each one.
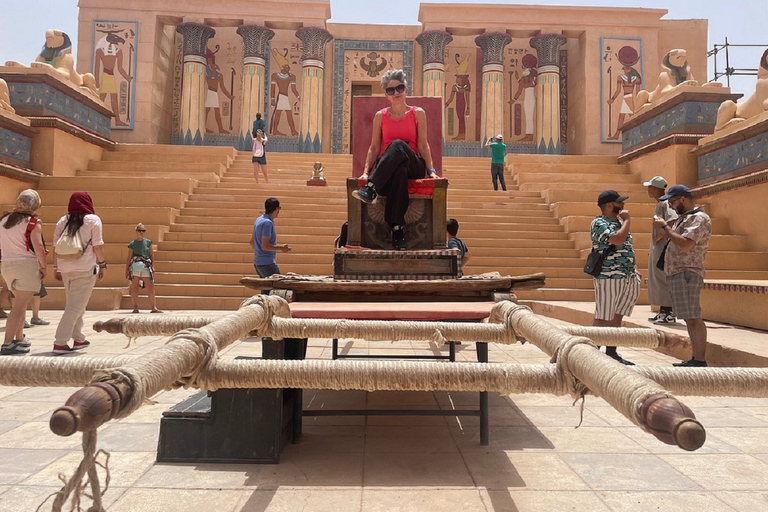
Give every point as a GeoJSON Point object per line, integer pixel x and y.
{"type": "Point", "coordinates": [617, 287]}
{"type": "Point", "coordinates": [260, 155]}
{"type": "Point", "coordinates": [80, 273]}
{"type": "Point", "coordinates": [139, 269]}
{"type": "Point", "coordinates": [24, 265]}
{"type": "Point", "coordinates": [658, 291]}
{"type": "Point", "coordinates": [264, 240]}
{"type": "Point", "coordinates": [684, 265]}
{"type": "Point", "coordinates": [498, 152]}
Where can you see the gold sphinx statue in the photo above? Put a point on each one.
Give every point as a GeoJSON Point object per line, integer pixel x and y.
{"type": "Point", "coordinates": [57, 55]}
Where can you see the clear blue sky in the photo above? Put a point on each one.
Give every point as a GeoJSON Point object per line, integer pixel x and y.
{"type": "Point", "coordinates": [23, 22]}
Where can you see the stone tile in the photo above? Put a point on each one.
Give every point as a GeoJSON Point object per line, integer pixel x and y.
{"type": "Point", "coordinates": [409, 470]}
{"type": "Point", "coordinates": [653, 445]}
{"type": "Point", "coordinates": [732, 401]}
{"type": "Point", "coordinates": [531, 501]}
{"type": "Point", "coordinates": [679, 501]}
{"type": "Point", "coordinates": [720, 417]}
{"type": "Point", "coordinates": [551, 416]}
{"type": "Point", "coordinates": [135, 437]}
{"type": "Point", "coordinates": [5, 426]}
{"type": "Point", "coordinates": [521, 400]}
{"type": "Point", "coordinates": [408, 439]}
{"type": "Point", "coordinates": [722, 472]}
{"type": "Point", "coordinates": [590, 440]}
{"type": "Point", "coordinates": [38, 435]}
{"type": "Point", "coordinates": [498, 416]}
{"type": "Point", "coordinates": [741, 501]}
{"type": "Point", "coordinates": [124, 468]}
{"type": "Point", "coordinates": [437, 500]}
{"type": "Point", "coordinates": [760, 412]}
{"type": "Point", "coordinates": [177, 500]}
{"type": "Point", "coordinates": [747, 440]}
{"type": "Point", "coordinates": [337, 439]}
{"type": "Point", "coordinates": [174, 396]}
{"type": "Point", "coordinates": [502, 439]}
{"type": "Point", "coordinates": [147, 413]}
{"type": "Point", "coordinates": [634, 472]}
{"type": "Point", "coordinates": [468, 399]}
{"type": "Point", "coordinates": [58, 395]}
{"type": "Point", "coordinates": [611, 416]}
{"type": "Point", "coordinates": [291, 500]}
{"type": "Point", "coordinates": [322, 399]}
{"type": "Point", "coordinates": [533, 471]}
{"type": "Point", "coordinates": [383, 399]}
{"type": "Point", "coordinates": [27, 411]}
{"type": "Point", "coordinates": [16, 465]}
{"type": "Point", "coordinates": [7, 391]}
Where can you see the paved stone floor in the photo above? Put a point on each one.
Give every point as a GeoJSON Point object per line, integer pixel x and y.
{"type": "Point", "coordinates": [537, 460]}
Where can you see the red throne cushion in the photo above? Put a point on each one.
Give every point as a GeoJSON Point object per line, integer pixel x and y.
{"type": "Point", "coordinates": [365, 107]}
{"type": "Point", "coordinates": [425, 187]}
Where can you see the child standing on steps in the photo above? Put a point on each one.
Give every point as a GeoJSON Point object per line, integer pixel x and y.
{"type": "Point", "coordinates": [259, 155]}
{"type": "Point", "coordinates": [138, 268]}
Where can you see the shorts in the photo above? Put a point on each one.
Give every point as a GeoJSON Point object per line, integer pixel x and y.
{"type": "Point", "coordinates": [22, 275]}
{"type": "Point", "coordinates": [616, 296]}
{"type": "Point", "coordinates": [259, 159]}
{"type": "Point", "coordinates": [685, 290]}
{"type": "Point", "coordinates": [141, 273]}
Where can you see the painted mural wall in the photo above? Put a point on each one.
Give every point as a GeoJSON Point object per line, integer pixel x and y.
{"type": "Point", "coordinates": [621, 78]}
{"type": "Point", "coordinates": [113, 63]}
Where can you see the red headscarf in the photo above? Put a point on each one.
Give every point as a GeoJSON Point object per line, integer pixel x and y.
{"type": "Point", "coordinates": [80, 202]}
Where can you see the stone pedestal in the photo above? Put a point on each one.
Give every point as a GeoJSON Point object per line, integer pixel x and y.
{"type": "Point", "coordinates": [738, 149]}
{"type": "Point", "coordinates": [688, 110]}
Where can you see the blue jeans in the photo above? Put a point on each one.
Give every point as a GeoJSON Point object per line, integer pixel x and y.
{"type": "Point", "coordinates": [266, 271]}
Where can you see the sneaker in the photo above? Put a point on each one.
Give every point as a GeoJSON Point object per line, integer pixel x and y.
{"type": "Point", "coordinates": [398, 238]}
{"type": "Point", "coordinates": [691, 363]}
{"type": "Point", "coordinates": [366, 194]}
{"type": "Point", "coordinates": [39, 321]}
{"type": "Point", "coordinates": [61, 349]}
{"type": "Point", "coordinates": [24, 342]}
{"type": "Point", "coordinates": [13, 349]}
{"type": "Point", "coordinates": [617, 357]}
{"type": "Point", "coordinates": [27, 325]}
{"type": "Point", "coordinates": [654, 318]}
{"type": "Point", "coordinates": [80, 345]}
{"type": "Point", "coordinates": [666, 319]}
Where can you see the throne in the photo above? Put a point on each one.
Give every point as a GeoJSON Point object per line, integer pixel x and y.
{"type": "Point", "coordinates": [426, 216]}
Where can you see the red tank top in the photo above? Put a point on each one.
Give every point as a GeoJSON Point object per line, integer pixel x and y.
{"type": "Point", "coordinates": [401, 129]}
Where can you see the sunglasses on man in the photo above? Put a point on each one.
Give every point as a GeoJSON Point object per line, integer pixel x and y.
{"type": "Point", "coordinates": [392, 90]}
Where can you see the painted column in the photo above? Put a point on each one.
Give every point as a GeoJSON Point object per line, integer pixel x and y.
{"type": "Point", "coordinates": [546, 132]}
{"type": "Point", "coordinates": [492, 107]}
{"type": "Point", "coordinates": [433, 43]}
{"type": "Point", "coordinates": [255, 41]}
{"type": "Point", "coordinates": [314, 40]}
{"type": "Point", "coordinates": [194, 87]}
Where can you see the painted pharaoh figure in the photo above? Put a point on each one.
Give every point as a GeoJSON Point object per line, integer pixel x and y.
{"type": "Point", "coordinates": [628, 84]}
{"type": "Point", "coordinates": [526, 87]}
{"type": "Point", "coordinates": [280, 84]}
{"type": "Point", "coordinates": [109, 57]}
{"type": "Point", "coordinates": [460, 92]}
{"type": "Point", "coordinates": [215, 81]}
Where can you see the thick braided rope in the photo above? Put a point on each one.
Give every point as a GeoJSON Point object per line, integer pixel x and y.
{"type": "Point", "coordinates": [581, 364]}
{"type": "Point", "coordinates": [75, 487]}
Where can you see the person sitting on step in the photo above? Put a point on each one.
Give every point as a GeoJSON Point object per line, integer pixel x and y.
{"type": "Point", "coordinates": [399, 152]}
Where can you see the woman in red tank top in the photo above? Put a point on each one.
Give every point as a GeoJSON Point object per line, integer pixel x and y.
{"type": "Point", "coordinates": [399, 151]}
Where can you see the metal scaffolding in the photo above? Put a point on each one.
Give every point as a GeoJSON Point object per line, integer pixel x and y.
{"type": "Point", "coordinates": [730, 71]}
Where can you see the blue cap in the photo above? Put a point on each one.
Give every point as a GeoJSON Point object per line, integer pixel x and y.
{"type": "Point", "coordinates": [677, 191]}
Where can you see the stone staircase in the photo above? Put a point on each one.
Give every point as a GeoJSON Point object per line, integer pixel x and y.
{"type": "Point", "coordinates": [199, 205]}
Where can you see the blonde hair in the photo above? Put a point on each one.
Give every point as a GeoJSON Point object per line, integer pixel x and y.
{"type": "Point", "coordinates": [140, 226]}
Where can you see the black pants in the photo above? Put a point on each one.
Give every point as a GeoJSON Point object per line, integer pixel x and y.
{"type": "Point", "coordinates": [397, 165]}
{"type": "Point", "coordinates": [497, 173]}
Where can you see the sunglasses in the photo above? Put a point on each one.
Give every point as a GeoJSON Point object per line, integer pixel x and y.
{"type": "Point", "coordinates": [141, 230]}
{"type": "Point", "coordinates": [392, 90]}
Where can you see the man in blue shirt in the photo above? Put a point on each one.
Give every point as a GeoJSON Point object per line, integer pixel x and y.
{"type": "Point", "coordinates": [264, 240]}
{"type": "Point", "coordinates": [618, 285]}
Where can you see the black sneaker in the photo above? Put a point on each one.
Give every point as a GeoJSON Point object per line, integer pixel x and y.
{"type": "Point", "coordinates": [617, 357]}
{"type": "Point", "coordinates": [691, 363]}
{"type": "Point", "coordinates": [366, 194]}
{"type": "Point", "coordinates": [13, 349]}
{"type": "Point", "coordinates": [398, 238]}
{"type": "Point", "coordinates": [654, 318]}
{"type": "Point", "coordinates": [666, 319]}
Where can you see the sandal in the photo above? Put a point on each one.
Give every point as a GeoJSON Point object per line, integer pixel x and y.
{"type": "Point", "coordinates": [135, 310]}
{"type": "Point", "coordinates": [155, 311]}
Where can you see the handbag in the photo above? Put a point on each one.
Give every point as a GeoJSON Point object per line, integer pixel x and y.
{"type": "Point", "coordinates": [595, 259]}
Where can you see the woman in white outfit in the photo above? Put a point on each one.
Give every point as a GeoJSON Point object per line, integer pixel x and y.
{"type": "Point", "coordinates": [24, 266]}
{"type": "Point", "coordinates": [79, 274]}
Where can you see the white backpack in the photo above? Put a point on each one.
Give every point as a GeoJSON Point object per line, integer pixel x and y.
{"type": "Point", "coordinates": [69, 247]}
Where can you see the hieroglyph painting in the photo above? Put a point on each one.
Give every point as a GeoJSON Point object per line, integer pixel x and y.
{"type": "Point", "coordinates": [284, 88]}
{"type": "Point", "coordinates": [223, 66]}
{"type": "Point", "coordinates": [621, 79]}
{"type": "Point", "coordinates": [114, 67]}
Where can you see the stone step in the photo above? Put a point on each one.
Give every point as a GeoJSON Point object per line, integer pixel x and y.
{"type": "Point", "coordinates": [166, 149]}
{"type": "Point", "coordinates": [569, 168]}
{"type": "Point", "coordinates": [117, 215]}
{"type": "Point", "coordinates": [161, 169]}
{"type": "Point", "coordinates": [112, 183]}
{"type": "Point", "coordinates": [114, 233]}
{"type": "Point", "coordinates": [565, 159]}
{"type": "Point", "coordinates": [111, 198]}
{"type": "Point", "coordinates": [162, 159]}
{"type": "Point", "coordinates": [638, 211]}
{"type": "Point", "coordinates": [199, 176]}
{"type": "Point", "coordinates": [610, 180]}
{"type": "Point", "coordinates": [581, 224]}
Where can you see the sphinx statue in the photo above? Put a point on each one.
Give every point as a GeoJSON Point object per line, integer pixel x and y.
{"type": "Point", "coordinates": [731, 112]}
{"type": "Point", "coordinates": [5, 98]}
{"type": "Point", "coordinates": [317, 172]}
{"type": "Point", "coordinates": [57, 55]}
{"type": "Point", "coordinates": [675, 72]}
